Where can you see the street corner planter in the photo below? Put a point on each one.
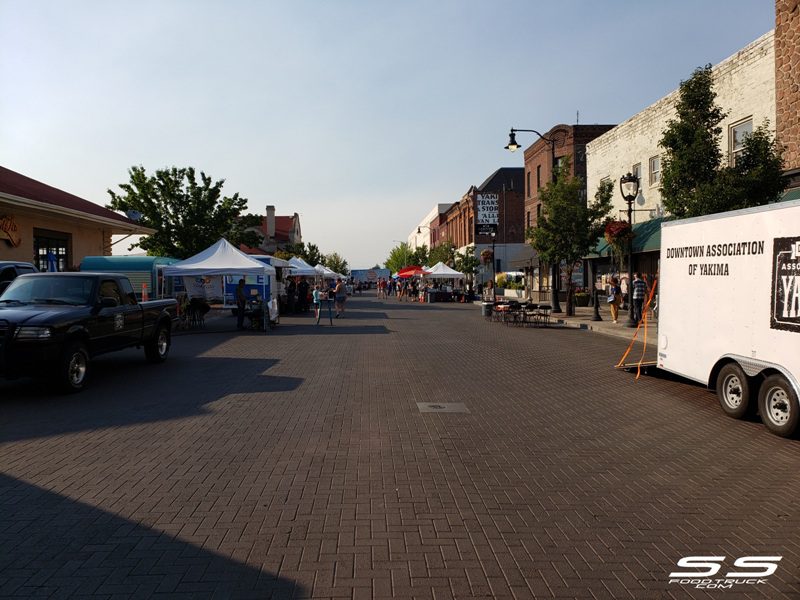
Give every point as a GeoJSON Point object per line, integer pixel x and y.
{"type": "Point", "coordinates": [581, 299]}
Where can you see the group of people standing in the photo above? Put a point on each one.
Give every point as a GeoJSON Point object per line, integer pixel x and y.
{"type": "Point", "coordinates": [407, 289]}
{"type": "Point", "coordinates": [638, 292]}
{"type": "Point", "coordinates": [337, 292]}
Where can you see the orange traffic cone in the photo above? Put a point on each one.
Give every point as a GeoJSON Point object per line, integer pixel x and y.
{"type": "Point", "coordinates": [145, 296]}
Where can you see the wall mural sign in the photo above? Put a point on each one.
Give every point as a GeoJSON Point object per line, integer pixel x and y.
{"type": "Point", "coordinates": [9, 231]}
{"type": "Point", "coordinates": [487, 214]}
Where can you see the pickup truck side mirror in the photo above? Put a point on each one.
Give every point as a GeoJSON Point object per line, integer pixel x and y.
{"type": "Point", "coordinates": [108, 302]}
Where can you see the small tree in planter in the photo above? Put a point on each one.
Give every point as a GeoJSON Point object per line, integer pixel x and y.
{"type": "Point", "coordinates": [569, 226]}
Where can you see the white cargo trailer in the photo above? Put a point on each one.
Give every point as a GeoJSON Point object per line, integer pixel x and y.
{"type": "Point", "coordinates": [729, 309]}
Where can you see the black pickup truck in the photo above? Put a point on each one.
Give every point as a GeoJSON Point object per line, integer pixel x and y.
{"type": "Point", "coordinates": [52, 324]}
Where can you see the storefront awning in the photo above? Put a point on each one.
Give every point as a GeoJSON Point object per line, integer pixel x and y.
{"type": "Point", "coordinates": [647, 239]}
{"type": "Point", "coordinates": [791, 194]}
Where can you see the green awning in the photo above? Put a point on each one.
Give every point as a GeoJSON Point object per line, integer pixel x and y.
{"type": "Point", "coordinates": [792, 195]}
{"type": "Point", "coordinates": [647, 239]}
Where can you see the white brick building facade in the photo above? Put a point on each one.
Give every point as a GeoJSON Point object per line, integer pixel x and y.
{"type": "Point", "coordinates": [745, 88]}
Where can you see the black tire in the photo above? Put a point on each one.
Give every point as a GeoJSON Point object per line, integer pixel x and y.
{"type": "Point", "coordinates": [734, 391]}
{"type": "Point", "coordinates": [777, 403]}
{"type": "Point", "coordinates": [157, 348]}
{"type": "Point", "coordinates": [73, 368]}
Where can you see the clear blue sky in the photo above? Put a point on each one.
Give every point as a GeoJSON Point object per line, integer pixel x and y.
{"type": "Point", "coordinates": [358, 115]}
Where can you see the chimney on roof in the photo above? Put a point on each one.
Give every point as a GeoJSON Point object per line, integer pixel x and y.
{"type": "Point", "coordinates": [270, 222]}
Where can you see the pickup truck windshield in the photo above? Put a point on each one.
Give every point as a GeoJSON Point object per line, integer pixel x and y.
{"type": "Point", "coordinates": [49, 290]}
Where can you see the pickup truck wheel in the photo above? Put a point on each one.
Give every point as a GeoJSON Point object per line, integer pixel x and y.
{"type": "Point", "coordinates": [157, 349]}
{"type": "Point", "coordinates": [733, 391]}
{"type": "Point", "coordinates": [777, 403]}
{"type": "Point", "coordinates": [73, 368]}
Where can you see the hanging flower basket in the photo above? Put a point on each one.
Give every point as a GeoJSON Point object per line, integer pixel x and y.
{"type": "Point", "coordinates": [486, 256]}
{"type": "Point", "coordinates": [618, 234]}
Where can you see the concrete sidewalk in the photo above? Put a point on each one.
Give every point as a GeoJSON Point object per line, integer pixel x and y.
{"type": "Point", "coordinates": [582, 319]}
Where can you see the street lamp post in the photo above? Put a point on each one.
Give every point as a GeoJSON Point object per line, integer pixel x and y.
{"type": "Point", "coordinates": [512, 146]}
{"type": "Point", "coordinates": [494, 261]}
{"type": "Point", "coordinates": [629, 186]}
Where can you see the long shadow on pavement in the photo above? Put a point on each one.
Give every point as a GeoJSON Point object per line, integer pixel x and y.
{"type": "Point", "coordinates": [124, 391]}
{"type": "Point", "coordinates": [53, 546]}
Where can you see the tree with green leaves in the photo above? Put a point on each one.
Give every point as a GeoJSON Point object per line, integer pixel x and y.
{"type": "Point", "coordinates": [420, 256]}
{"type": "Point", "coordinates": [694, 180]}
{"type": "Point", "coordinates": [569, 226]}
{"type": "Point", "coordinates": [444, 252]}
{"type": "Point", "coordinates": [336, 263]}
{"type": "Point", "coordinates": [467, 263]}
{"type": "Point", "coordinates": [308, 252]}
{"type": "Point", "coordinates": [399, 257]}
{"type": "Point", "coordinates": [188, 215]}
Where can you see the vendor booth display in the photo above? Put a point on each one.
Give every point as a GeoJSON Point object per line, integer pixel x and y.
{"type": "Point", "coordinates": [223, 259]}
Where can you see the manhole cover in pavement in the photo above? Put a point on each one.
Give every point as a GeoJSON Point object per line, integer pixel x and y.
{"type": "Point", "coordinates": [442, 407]}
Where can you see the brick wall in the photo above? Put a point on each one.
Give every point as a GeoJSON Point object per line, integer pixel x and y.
{"type": "Point", "coordinates": [745, 87]}
{"type": "Point", "coordinates": [571, 141]}
{"type": "Point", "coordinates": [787, 79]}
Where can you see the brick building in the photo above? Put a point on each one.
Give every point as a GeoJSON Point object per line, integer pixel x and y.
{"type": "Point", "coordinates": [787, 85]}
{"type": "Point", "coordinates": [37, 219]}
{"type": "Point", "coordinates": [458, 223]}
{"type": "Point", "coordinates": [277, 232]}
{"type": "Point", "coordinates": [568, 141]}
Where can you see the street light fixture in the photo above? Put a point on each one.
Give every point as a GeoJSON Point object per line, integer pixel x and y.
{"type": "Point", "coordinates": [512, 146]}
{"type": "Point", "coordinates": [629, 186]}
{"type": "Point", "coordinates": [494, 261]}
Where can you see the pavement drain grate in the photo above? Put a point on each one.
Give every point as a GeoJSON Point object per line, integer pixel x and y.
{"type": "Point", "coordinates": [442, 407]}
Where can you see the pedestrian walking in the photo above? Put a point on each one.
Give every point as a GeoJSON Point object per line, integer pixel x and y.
{"type": "Point", "coordinates": [340, 295]}
{"type": "Point", "coordinates": [614, 298]}
{"type": "Point", "coordinates": [639, 293]}
{"type": "Point", "coordinates": [241, 304]}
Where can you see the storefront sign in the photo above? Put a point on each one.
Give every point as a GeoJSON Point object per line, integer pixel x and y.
{"type": "Point", "coordinates": [9, 231]}
{"type": "Point", "coordinates": [487, 214]}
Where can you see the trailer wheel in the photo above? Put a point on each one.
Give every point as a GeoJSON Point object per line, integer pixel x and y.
{"type": "Point", "coordinates": [777, 403]}
{"type": "Point", "coordinates": [733, 391]}
{"type": "Point", "coordinates": [157, 348]}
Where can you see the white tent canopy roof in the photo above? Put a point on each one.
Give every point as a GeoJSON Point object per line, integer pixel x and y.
{"type": "Point", "coordinates": [273, 260]}
{"type": "Point", "coordinates": [220, 259]}
{"type": "Point", "coordinates": [301, 267]}
{"type": "Point", "coordinates": [442, 271]}
{"type": "Point", "coordinates": [326, 272]}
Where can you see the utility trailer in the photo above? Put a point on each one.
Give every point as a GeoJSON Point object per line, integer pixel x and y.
{"type": "Point", "coordinates": [729, 309]}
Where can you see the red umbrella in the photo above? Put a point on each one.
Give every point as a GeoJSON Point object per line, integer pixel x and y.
{"type": "Point", "coordinates": [411, 271]}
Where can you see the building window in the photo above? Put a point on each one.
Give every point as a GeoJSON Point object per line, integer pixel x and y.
{"type": "Point", "coordinates": [736, 136]}
{"type": "Point", "coordinates": [538, 176]}
{"type": "Point", "coordinates": [51, 242]}
{"type": "Point", "coordinates": [538, 211]}
{"type": "Point", "coordinates": [637, 171]}
{"type": "Point", "coordinates": [528, 183]}
{"type": "Point", "coordinates": [528, 219]}
{"type": "Point", "coordinates": [655, 170]}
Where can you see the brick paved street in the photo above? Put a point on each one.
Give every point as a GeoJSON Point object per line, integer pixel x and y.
{"type": "Point", "coordinates": [298, 464]}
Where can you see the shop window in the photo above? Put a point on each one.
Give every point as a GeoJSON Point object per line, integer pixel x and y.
{"type": "Point", "coordinates": [55, 243]}
{"type": "Point", "coordinates": [528, 183]}
{"type": "Point", "coordinates": [737, 134]}
{"type": "Point", "coordinates": [538, 176]}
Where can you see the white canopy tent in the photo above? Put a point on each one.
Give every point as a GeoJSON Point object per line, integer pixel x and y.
{"type": "Point", "coordinates": [442, 271]}
{"type": "Point", "coordinates": [220, 259]}
{"type": "Point", "coordinates": [301, 268]}
{"type": "Point", "coordinates": [223, 258]}
{"type": "Point", "coordinates": [274, 261]}
{"type": "Point", "coordinates": [326, 273]}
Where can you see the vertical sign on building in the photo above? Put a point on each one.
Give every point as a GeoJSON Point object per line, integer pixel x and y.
{"type": "Point", "coordinates": [487, 214]}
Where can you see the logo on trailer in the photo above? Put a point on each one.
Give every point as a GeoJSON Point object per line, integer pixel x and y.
{"type": "Point", "coordinates": [785, 307]}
